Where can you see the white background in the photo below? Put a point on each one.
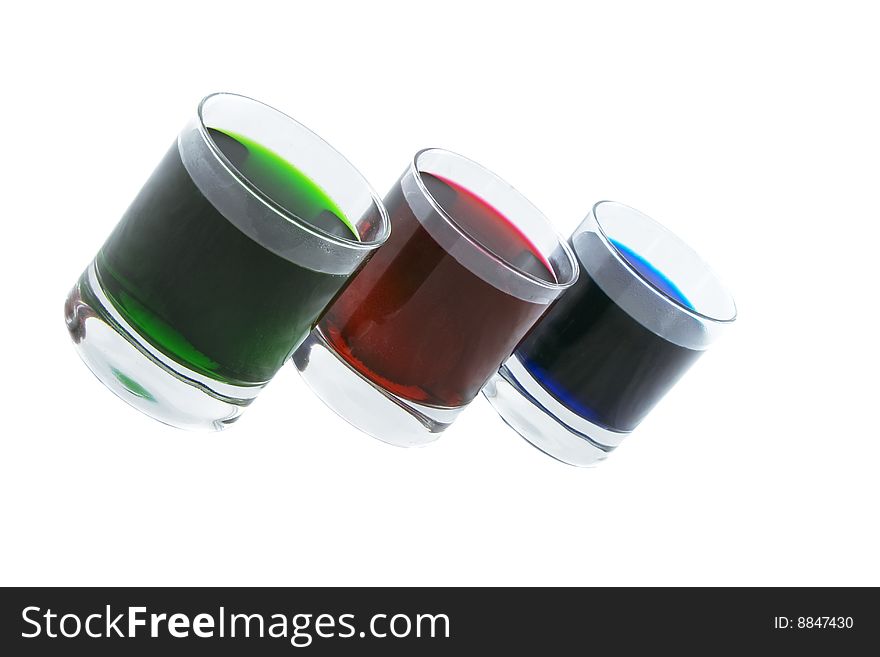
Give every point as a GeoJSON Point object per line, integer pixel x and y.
{"type": "Point", "coordinates": [752, 131]}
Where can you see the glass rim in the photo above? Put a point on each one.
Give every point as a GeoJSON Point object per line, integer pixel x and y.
{"type": "Point", "coordinates": [450, 220]}
{"type": "Point", "coordinates": [276, 207]}
{"type": "Point", "coordinates": [693, 312]}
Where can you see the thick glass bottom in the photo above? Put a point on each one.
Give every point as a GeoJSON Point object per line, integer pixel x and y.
{"type": "Point", "coordinates": [363, 404]}
{"type": "Point", "coordinates": [138, 373]}
{"type": "Point", "coordinates": [548, 425]}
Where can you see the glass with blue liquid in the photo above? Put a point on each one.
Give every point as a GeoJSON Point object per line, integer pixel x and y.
{"type": "Point", "coordinates": [643, 310]}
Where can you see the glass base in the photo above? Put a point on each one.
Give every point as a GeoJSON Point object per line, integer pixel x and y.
{"type": "Point", "coordinates": [141, 375]}
{"type": "Point", "coordinates": [534, 414]}
{"type": "Point", "coordinates": [363, 404]}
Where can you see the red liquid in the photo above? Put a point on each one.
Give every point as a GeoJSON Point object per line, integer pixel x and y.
{"type": "Point", "coordinates": [421, 325]}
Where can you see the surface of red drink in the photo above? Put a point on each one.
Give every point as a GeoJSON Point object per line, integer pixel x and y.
{"type": "Point", "coordinates": [418, 322]}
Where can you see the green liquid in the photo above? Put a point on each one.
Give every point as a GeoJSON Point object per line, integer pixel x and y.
{"type": "Point", "coordinates": [200, 290]}
{"type": "Point", "coordinates": [283, 183]}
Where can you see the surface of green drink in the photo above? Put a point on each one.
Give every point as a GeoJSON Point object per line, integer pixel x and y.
{"type": "Point", "coordinates": [200, 290]}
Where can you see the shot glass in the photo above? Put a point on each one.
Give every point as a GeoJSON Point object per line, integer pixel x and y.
{"type": "Point", "coordinates": [470, 266]}
{"type": "Point", "coordinates": [222, 264]}
{"type": "Point", "coordinates": [643, 310]}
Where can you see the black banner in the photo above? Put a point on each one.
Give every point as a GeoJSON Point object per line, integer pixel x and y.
{"type": "Point", "coordinates": [279, 621]}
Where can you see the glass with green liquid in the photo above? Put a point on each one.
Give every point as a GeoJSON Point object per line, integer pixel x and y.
{"type": "Point", "coordinates": [247, 229]}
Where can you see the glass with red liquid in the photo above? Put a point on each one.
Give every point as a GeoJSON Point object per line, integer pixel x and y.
{"type": "Point", "coordinates": [469, 268]}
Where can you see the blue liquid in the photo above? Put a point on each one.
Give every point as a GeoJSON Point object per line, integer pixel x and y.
{"type": "Point", "coordinates": [651, 274]}
{"type": "Point", "coordinates": [599, 362]}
